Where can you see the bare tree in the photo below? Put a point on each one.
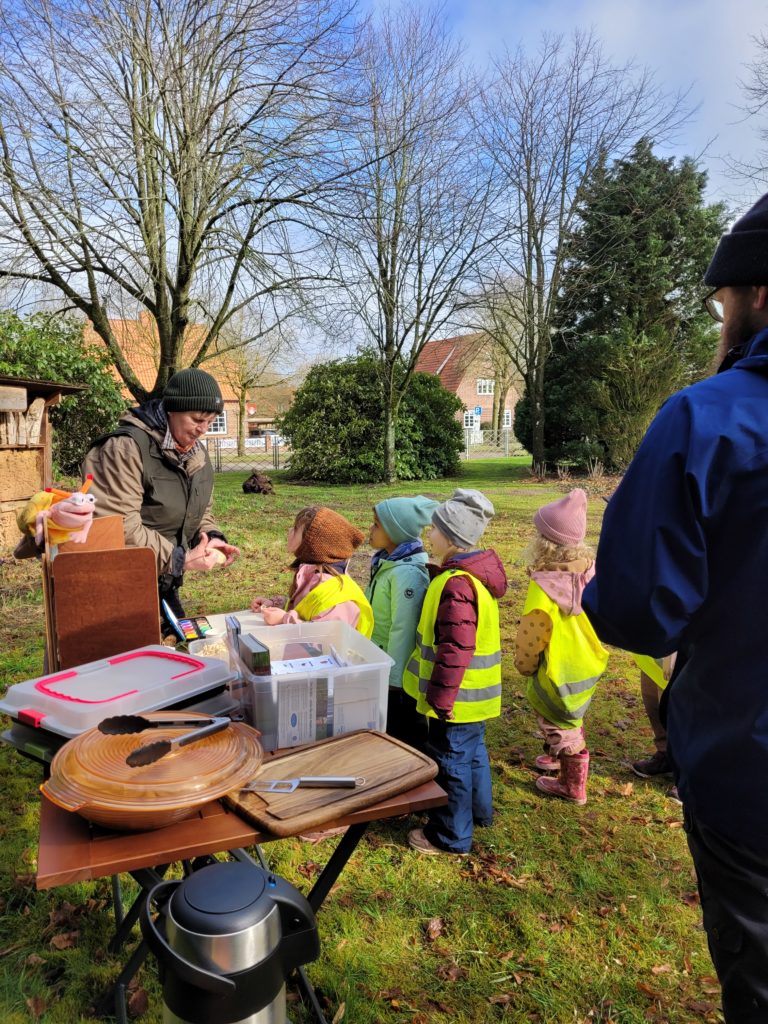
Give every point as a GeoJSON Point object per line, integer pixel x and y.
{"type": "Point", "coordinates": [246, 365]}
{"type": "Point", "coordinates": [547, 120]}
{"type": "Point", "coordinates": [414, 222]}
{"type": "Point", "coordinates": [155, 154]}
{"type": "Point", "coordinates": [755, 89]}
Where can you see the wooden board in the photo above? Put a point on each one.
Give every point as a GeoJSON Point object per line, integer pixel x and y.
{"type": "Point", "coordinates": [103, 603]}
{"type": "Point", "coordinates": [13, 399]}
{"type": "Point", "coordinates": [106, 534]}
{"type": "Point", "coordinates": [387, 766]}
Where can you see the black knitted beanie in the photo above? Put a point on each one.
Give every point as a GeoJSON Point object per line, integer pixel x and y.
{"type": "Point", "coordinates": [192, 390]}
{"type": "Point", "coordinates": [741, 256]}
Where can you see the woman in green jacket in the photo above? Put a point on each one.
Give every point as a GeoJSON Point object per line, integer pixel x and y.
{"type": "Point", "coordinates": [399, 581]}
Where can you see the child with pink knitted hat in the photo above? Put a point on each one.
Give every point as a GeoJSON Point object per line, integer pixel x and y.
{"type": "Point", "coordinates": [557, 647]}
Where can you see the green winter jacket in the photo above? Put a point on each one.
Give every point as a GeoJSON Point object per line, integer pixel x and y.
{"type": "Point", "coordinates": [396, 594]}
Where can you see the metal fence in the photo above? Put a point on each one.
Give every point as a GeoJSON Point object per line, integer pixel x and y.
{"type": "Point", "coordinates": [273, 453]}
{"type": "Point", "coordinates": [260, 453]}
{"type": "Point", "coordinates": [491, 444]}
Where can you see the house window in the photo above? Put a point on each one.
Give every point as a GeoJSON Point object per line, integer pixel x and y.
{"type": "Point", "coordinates": [507, 419]}
{"type": "Point", "coordinates": [219, 425]}
{"type": "Point", "coordinates": [485, 387]}
{"type": "Point", "coordinates": [469, 421]}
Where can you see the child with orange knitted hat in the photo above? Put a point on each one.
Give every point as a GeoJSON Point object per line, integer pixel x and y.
{"type": "Point", "coordinates": [322, 542]}
{"type": "Point", "coordinates": [557, 648]}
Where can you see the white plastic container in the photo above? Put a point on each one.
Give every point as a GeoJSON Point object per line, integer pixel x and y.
{"type": "Point", "coordinates": [316, 701]}
{"type": "Point", "coordinates": [147, 679]}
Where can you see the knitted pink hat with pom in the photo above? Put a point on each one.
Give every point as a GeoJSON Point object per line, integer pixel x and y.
{"type": "Point", "coordinates": [564, 521]}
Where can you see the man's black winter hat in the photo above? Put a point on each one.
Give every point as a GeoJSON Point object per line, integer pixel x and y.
{"type": "Point", "coordinates": [741, 256]}
{"type": "Point", "coordinates": [192, 390]}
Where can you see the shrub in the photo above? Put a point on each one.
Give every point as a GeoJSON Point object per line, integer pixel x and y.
{"type": "Point", "coordinates": [335, 426]}
{"type": "Point", "coordinates": [45, 347]}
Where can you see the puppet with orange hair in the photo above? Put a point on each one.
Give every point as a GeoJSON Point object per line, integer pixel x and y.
{"type": "Point", "coordinates": [69, 515]}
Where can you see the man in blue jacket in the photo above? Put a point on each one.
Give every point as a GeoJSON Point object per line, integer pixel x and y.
{"type": "Point", "coordinates": [683, 565]}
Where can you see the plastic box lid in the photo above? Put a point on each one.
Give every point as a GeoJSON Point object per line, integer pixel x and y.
{"type": "Point", "coordinates": [146, 679]}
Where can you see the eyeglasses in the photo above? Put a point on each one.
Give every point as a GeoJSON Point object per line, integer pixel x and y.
{"type": "Point", "coordinates": [713, 306]}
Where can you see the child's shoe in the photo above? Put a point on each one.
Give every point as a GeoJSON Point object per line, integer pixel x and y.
{"type": "Point", "coordinates": [418, 841]}
{"type": "Point", "coordinates": [571, 784]}
{"type": "Point", "coordinates": [547, 763]}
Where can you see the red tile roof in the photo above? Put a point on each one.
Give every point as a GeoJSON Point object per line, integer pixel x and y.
{"type": "Point", "coordinates": [450, 358]}
{"type": "Point", "coordinates": [139, 343]}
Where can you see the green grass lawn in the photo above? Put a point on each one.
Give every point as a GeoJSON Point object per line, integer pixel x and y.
{"type": "Point", "coordinates": [561, 914]}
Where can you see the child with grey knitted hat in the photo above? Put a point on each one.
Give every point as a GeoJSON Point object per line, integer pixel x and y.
{"type": "Point", "coordinates": [454, 673]}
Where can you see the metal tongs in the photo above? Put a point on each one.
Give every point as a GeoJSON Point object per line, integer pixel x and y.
{"type": "Point", "coordinates": [305, 781]}
{"type": "Point", "coordinates": [121, 725]}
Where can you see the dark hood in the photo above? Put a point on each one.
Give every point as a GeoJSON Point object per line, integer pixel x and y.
{"type": "Point", "coordinates": [483, 565]}
{"type": "Point", "coordinates": [151, 414]}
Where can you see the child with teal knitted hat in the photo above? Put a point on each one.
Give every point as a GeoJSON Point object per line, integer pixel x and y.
{"type": "Point", "coordinates": [399, 581]}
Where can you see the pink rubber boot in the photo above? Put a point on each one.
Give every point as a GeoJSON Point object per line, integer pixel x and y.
{"type": "Point", "coordinates": [547, 763]}
{"type": "Point", "coordinates": [571, 784]}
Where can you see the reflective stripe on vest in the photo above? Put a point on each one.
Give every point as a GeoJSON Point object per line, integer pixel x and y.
{"type": "Point", "coordinates": [328, 594]}
{"type": "Point", "coordinates": [479, 696]}
{"type": "Point", "coordinates": [570, 666]}
{"type": "Point", "coordinates": [652, 668]}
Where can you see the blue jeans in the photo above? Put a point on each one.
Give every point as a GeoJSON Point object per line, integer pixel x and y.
{"type": "Point", "coordinates": [465, 775]}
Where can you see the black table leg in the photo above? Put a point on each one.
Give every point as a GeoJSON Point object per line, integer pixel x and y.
{"type": "Point", "coordinates": [338, 861]}
{"type": "Point", "coordinates": [146, 877]}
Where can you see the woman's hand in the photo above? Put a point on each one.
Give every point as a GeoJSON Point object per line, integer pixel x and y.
{"type": "Point", "coordinates": [273, 616]}
{"type": "Point", "coordinates": [201, 558]}
{"type": "Point", "coordinates": [229, 550]}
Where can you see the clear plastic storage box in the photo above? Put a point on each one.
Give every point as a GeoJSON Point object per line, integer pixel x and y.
{"type": "Point", "coordinates": [326, 679]}
{"type": "Point", "coordinates": [147, 679]}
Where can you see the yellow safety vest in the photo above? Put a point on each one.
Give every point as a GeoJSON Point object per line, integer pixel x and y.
{"type": "Point", "coordinates": [479, 696]}
{"type": "Point", "coordinates": [570, 666]}
{"type": "Point", "coordinates": [328, 594]}
{"type": "Point", "coordinates": [652, 668]}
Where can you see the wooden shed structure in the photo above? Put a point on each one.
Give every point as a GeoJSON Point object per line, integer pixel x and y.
{"type": "Point", "coordinates": [25, 444]}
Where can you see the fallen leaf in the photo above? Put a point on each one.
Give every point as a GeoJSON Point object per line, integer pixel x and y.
{"type": "Point", "coordinates": [390, 993]}
{"type": "Point", "coordinates": [692, 900]}
{"type": "Point", "coordinates": [699, 1006]}
{"type": "Point", "coordinates": [342, 944]}
{"type": "Point", "coordinates": [627, 790]}
{"type": "Point", "coordinates": [33, 960]}
{"type": "Point", "coordinates": [451, 972]}
{"type": "Point", "coordinates": [435, 928]}
{"type": "Point", "coordinates": [138, 1002]}
{"type": "Point", "coordinates": [652, 993]}
{"type": "Point", "coordinates": [309, 869]}
{"type": "Point", "coordinates": [661, 969]}
{"type": "Point", "coordinates": [338, 1017]}
{"type": "Point", "coordinates": [66, 940]}
{"type": "Point", "coordinates": [500, 1000]}
{"type": "Point", "coordinates": [36, 1006]}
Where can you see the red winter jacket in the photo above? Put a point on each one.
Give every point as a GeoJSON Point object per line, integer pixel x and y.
{"type": "Point", "coordinates": [456, 624]}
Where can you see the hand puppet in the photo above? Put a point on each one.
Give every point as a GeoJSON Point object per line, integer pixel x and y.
{"type": "Point", "coordinates": [69, 514]}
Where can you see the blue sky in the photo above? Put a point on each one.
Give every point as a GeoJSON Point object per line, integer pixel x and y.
{"type": "Point", "coordinates": [701, 44]}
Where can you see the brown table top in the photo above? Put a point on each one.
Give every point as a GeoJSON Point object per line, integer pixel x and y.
{"type": "Point", "coordinates": [72, 850]}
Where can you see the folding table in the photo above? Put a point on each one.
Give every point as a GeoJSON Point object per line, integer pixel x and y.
{"type": "Point", "coordinates": [72, 850]}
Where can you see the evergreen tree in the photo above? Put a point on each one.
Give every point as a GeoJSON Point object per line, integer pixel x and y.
{"type": "Point", "coordinates": [630, 327]}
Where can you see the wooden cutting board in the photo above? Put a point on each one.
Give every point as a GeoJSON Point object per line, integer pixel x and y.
{"type": "Point", "coordinates": [386, 765]}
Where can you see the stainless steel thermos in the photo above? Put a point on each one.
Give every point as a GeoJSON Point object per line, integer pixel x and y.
{"type": "Point", "coordinates": [226, 938]}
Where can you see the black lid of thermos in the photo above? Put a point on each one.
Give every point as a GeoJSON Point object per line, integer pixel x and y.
{"type": "Point", "coordinates": [213, 901]}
